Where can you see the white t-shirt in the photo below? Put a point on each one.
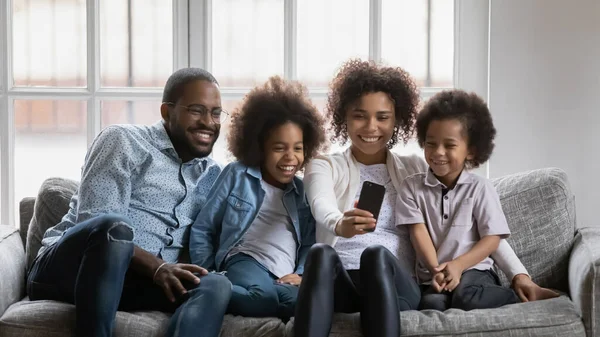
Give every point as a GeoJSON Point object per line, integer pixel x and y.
{"type": "Point", "coordinates": [395, 239]}
{"type": "Point", "coordinates": [270, 240]}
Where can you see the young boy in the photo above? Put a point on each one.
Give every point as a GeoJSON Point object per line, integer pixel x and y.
{"type": "Point", "coordinates": [455, 217]}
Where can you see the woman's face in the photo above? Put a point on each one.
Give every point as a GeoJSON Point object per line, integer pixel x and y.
{"type": "Point", "coordinates": [370, 121]}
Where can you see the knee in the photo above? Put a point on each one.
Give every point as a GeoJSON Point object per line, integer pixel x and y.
{"type": "Point", "coordinates": [214, 289]}
{"type": "Point", "coordinates": [114, 228]}
{"type": "Point", "coordinates": [373, 257]}
{"type": "Point", "coordinates": [465, 298]}
{"type": "Point", "coordinates": [320, 252]}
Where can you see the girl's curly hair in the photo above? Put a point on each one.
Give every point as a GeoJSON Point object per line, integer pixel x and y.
{"type": "Point", "coordinates": [269, 106]}
{"type": "Point", "coordinates": [356, 78]}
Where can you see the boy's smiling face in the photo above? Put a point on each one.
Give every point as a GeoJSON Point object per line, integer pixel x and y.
{"type": "Point", "coordinates": [283, 154]}
{"type": "Point", "coordinates": [446, 150]}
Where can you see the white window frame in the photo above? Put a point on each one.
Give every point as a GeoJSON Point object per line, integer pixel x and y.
{"type": "Point", "coordinates": [93, 94]}
{"type": "Point", "coordinates": [471, 35]}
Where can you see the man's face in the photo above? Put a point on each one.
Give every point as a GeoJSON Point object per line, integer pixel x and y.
{"type": "Point", "coordinates": [193, 134]}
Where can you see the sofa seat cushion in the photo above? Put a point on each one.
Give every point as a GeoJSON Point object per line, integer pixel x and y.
{"type": "Point", "coordinates": [555, 317]}
{"type": "Point", "coordinates": [56, 319]}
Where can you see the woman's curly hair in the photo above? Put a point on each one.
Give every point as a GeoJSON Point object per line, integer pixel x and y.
{"type": "Point", "coordinates": [267, 107]}
{"type": "Point", "coordinates": [473, 114]}
{"type": "Point", "coordinates": [356, 78]}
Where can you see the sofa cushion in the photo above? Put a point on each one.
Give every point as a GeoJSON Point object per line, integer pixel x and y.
{"type": "Point", "coordinates": [51, 204]}
{"type": "Point", "coordinates": [555, 317]}
{"type": "Point", "coordinates": [12, 267]}
{"type": "Point", "coordinates": [540, 211]}
{"type": "Point", "coordinates": [50, 319]}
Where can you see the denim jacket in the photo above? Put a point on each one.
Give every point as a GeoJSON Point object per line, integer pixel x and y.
{"type": "Point", "coordinates": [232, 206]}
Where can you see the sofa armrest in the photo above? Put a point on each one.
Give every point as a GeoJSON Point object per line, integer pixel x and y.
{"type": "Point", "coordinates": [12, 267]}
{"type": "Point", "coordinates": [584, 277]}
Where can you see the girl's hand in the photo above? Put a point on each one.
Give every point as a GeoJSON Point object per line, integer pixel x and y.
{"type": "Point", "coordinates": [292, 279]}
{"type": "Point", "coordinates": [453, 271]}
{"type": "Point", "coordinates": [354, 222]}
{"type": "Point", "coordinates": [437, 282]}
{"type": "Point", "coordinates": [527, 290]}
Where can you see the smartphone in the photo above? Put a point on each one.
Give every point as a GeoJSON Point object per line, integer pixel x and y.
{"type": "Point", "coordinates": [371, 198]}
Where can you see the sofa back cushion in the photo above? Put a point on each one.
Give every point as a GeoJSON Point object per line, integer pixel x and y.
{"type": "Point", "coordinates": [51, 204]}
{"type": "Point", "coordinates": [540, 210]}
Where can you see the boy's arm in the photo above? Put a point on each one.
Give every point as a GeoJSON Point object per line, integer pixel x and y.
{"type": "Point", "coordinates": [421, 241]}
{"type": "Point", "coordinates": [482, 249]}
{"type": "Point", "coordinates": [308, 240]}
{"type": "Point", "coordinates": [203, 234]}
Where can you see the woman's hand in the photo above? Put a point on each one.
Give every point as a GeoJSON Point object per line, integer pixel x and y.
{"type": "Point", "coordinates": [527, 290]}
{"type": "Point", "coordinates": [292, 279]}
{"type": "Point", "coordinates": [354, 222]}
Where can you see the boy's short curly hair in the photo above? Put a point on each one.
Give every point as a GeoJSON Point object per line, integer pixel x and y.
{"type": "Point", "coordinates": [268, 106]}
{"type": "Point", "coordinates": [473, 114]}
{"type": "Point", "coordinates": [356, 78]}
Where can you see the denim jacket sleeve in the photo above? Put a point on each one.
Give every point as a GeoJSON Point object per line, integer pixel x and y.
{"type": "Point", "coordinates": [203, 235]}
{"type": "Point", "coordinates": [307, 230]}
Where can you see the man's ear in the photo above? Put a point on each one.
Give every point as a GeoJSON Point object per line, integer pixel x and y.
{"type": "Point", "coordinates": [165, 112]}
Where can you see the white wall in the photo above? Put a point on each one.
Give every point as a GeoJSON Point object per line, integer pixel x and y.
{"type": "Point", "coordinates": [545, 92]}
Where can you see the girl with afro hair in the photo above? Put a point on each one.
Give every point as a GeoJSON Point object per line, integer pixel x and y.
{"type": "Point", "coordinates": [256, 224]}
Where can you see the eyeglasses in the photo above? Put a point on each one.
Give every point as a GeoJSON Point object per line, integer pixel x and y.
{"type": "Point", "coordinates": [218, 115]}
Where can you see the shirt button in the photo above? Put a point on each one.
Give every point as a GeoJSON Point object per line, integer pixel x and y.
{"type": "Point", "coordinates": [445, 216]}
{"type": "Point", "coordinates": [445, 197]}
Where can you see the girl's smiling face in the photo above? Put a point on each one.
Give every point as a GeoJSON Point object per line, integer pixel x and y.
{"type": "Point", "coordinates": [283, 154]}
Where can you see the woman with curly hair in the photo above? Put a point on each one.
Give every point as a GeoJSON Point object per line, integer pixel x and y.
{"type": "Point", "coordinates": [363, 264]}
{"type": "Point", "coordinates": [256, 224]}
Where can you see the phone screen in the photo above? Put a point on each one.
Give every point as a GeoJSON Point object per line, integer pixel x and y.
{"type": "Point", "coordinates": [371, 198]}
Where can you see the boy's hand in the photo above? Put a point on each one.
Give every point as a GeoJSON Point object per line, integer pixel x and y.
{"type": "Point", "coordinates": [437, 282]}
{"type": "Point", "coordinates": [292, 279]}
{"type": "Point", "coordinates": [452, 271]}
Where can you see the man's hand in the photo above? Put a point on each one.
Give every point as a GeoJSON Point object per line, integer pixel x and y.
{"type": "Point", "coordinates": [437, 282]}
{"type": "Point", "coordinates": [527, 290]}
{"type": "Point", "coordinates": [354, 222]}
{"type": "Point", "coordinates": [170, 275]}
{"type": "Point", "coordinates": [452, 271]}
{"type": "Point", "coordinates": [292, 279]}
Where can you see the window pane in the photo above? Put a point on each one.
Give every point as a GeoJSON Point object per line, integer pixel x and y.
{"type": "Point", "coordinates": [129, 112]}
{"type": "Point", "coordinates": [49, 43]}
{"type": "Point", "coordinates": [329, 33]}
{"type": "Point", "coordinates": [50, 141]}
{"type": "Point", "coordinates": [220, 152]}
{"type": "Point", "coordinates": [404, 39]}
{"type": "Point", "coordinates": [136, 42]}
{"type": "Point", "coordinates": [247, 41]}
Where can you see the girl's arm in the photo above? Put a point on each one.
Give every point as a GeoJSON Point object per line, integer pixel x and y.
{"type": "Point", "coordinates": [208, 222]}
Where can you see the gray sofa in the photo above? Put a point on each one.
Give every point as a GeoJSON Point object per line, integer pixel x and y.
{"type": "Point", "coordinates": [540, 210]}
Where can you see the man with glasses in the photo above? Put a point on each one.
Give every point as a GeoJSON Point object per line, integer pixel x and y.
{"type": "Point", "coordinates": [119, 246]}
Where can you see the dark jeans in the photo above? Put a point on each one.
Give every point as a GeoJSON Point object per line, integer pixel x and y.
{"type": "Point", "coordinates": [478, 289]}
{"type": "Point", "coordinates": [89, 267]}
{"type": "Point", "coordinates": [379, 290]}
{"type": "Point", "coordinates": [255, 293]}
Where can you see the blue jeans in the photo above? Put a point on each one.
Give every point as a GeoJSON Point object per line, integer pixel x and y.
{"type": "Point", "coordinates": [478, 289]}
{"type": "Point", "coordinates": [89, 267]}
{"type": "Point", "coordinates": [255, 293]}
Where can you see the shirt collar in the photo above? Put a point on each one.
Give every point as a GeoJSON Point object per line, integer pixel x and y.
{"type": "Point", "coordinates": [163, 142]}
{"type": "Point", "coordinates": [255, 172]}
{"type": "Point", "coordinates": [432, 181]}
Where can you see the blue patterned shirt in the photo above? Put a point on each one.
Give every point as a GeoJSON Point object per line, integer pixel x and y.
{"type": "Point", "coordinates": [133, 170]}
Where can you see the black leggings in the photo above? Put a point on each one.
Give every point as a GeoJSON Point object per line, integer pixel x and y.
{"type": "Point", "coordinates": [379, 290]}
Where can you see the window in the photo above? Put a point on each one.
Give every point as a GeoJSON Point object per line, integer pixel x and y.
{"type": "Point", "coordinates": [243, 42]}
{"type": "Point", "coordinates": [69, 68]}
{"type": "Point", "coordinates": [72, 69]}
